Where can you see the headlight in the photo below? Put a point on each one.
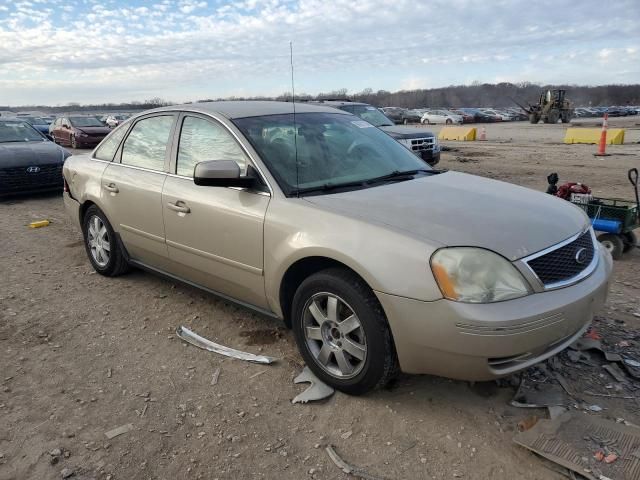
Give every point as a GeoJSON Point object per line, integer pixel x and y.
{"type": "Point", "coordinates": [475, 275]}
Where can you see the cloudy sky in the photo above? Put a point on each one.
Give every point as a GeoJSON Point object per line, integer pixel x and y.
{"type": "Point", "coordinates": [60, 51]}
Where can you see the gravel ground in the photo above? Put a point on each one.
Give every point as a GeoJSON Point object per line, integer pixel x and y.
{"type": "Point", "coordinates": [81, 354]}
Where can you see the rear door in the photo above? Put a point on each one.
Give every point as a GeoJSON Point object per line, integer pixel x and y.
{"type": "Point", "coordinates": [132, 188]}
{"type": "Point", "coordinates": [214, 235]}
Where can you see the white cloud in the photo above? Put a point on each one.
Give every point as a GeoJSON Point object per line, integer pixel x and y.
{"type": "Point", "coordinates": [183, 49]}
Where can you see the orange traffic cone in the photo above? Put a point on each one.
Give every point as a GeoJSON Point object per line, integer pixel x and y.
{"type": "Point", "coordinates": [483, 135]}
{"type": "Point", "coordinates": [603, 138]}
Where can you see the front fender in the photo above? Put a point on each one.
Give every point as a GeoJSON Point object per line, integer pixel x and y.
{"type": "Point", "coordinates": [388, 260]}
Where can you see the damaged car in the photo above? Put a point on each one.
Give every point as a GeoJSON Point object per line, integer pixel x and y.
{"type": "Point", "coordinates": [378, 262]}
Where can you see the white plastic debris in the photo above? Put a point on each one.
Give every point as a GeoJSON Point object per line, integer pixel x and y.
{"type": "Point", "coordinates": [316, 391]}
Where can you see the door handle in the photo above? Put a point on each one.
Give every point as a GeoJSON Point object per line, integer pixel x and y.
{"type": "Point", "coordinates": [111, 187]}
{"type": "Point", "coordinates": [178, 207]}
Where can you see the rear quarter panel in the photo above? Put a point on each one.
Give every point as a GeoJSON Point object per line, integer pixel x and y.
{"type": "Point", "coordinates": [84, 176]}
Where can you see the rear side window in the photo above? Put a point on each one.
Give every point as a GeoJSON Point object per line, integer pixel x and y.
{"type": "Point", "coordinates": [202, 140]}
{"type": "Point", "coordinates": [146, 145]}
{"type": "Point", "coordinates": [108, 147]}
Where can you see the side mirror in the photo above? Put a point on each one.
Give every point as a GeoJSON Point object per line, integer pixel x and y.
{"type": "Point", "coordinates": [220, 173]}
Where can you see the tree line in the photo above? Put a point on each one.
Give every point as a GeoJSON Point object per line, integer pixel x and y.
{"type": "Point", "coordinates": [474, 95]}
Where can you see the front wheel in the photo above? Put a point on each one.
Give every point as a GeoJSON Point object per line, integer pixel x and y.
{"type": "Point", "coordinates": [613, 243]}
{"type": "Point", "coordinates": [448, 121]}
{"type": "Point", "coordinates": [101, 245]}
{"type": "Point", "coordinates": [342, 332]}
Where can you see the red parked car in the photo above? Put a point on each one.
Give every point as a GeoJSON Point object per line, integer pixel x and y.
{"type": "Point", "coordinates": [466, 117]}
{"type": "Point", "coordinates": [78, 131]}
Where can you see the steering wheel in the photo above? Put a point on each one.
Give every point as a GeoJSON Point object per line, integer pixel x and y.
{"type": "Point", "coordinates": [358, 151]}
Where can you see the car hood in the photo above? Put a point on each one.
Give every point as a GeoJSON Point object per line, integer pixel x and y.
{"type": "Point", "coordinates": [94, 130]}
{"type": "Point", "coordinates": [456, 209]}
{"type": "Point", "coordinates": [406, 132]}
{"type": "Point", "coordinates": [31, 153]}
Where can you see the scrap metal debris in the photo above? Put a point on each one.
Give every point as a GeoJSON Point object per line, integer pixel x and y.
{"type": "Point", "coordinates": [318, 390]}
{"type": "Point", "coordinates": [347, 468]}
{"type": "Point", "coordinates": [593, 447]}
{"type": "Point", "coordinates": [540, 395]}
{"type": "Point", "coordinates": [194, 339]}
{"type": "Point", "coordinates": [119, 431]}
{"type": "Point", "coordinates": [215, 376]}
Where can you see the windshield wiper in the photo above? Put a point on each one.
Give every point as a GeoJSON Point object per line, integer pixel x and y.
{"type": "Point", "coordinates": [395, 175]}
{"type": "Point", "coordinates": [326, 187]}
{"type": "Point", "coordinates": [398, 175]}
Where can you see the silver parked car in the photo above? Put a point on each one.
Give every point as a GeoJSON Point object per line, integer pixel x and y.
{"type": "Point", "coordinates": [378, 262]}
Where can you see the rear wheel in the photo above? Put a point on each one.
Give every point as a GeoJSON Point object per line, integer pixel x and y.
{"type": "Point", "coordinates": [613, 243]}
{"type": "Point", "coordinates": [630, 241]}
{"type": "Point", "coordinates": [448, 121]}
{"type": "Point", "coordinates": [101, 245]}
{"type": "Point", "coordinates": [533, 118]}
{"type": "Point", "coordinates": [342, 332]}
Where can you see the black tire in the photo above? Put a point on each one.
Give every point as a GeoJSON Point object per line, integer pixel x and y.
{"type": "Point", "coordinates": [380, 364]}
{"type": "Point", "coordinates": [552, 117]}
{"type": "Point", "coordinates": [533, 118]}
{"type": "Point", "coordinates": [448, 121]}
{"type": "Point", "coordinates": [630, 241]}
{"type": "Point", "coordinates": [612, 242]}
{"type": "Point", "coordinates": [117, 263]}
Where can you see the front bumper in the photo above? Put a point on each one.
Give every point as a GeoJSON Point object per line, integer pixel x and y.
{"type": "Point", "coordinates": [478, 342]}
{"type": "Point", "coordinates": [88, 141]}
{"type": "Point", "coordinates": [432, 157]}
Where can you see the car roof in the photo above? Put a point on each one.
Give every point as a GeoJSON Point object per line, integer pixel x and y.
{"type": "Point", "coordinates": [248, 108]}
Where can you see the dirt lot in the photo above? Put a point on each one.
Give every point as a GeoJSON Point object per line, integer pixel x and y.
{"type": "Point", "coordinates": [81, 354]}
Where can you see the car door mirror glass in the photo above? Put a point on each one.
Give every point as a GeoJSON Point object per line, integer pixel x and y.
{"type": "Point", "coordinates": [220, 173]}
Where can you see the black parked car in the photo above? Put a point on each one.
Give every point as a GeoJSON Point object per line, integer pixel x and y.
{"type": "Point", "coordinates": [29, 161]}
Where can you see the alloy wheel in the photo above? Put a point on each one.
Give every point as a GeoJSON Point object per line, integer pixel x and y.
{"type": "Point", "coordinates": [334, 335]}
{"type": "Point", "coordinates": [98, 241]}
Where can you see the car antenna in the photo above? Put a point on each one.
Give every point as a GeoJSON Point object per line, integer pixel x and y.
{"type": "Point", "coordinates": [295, 124]}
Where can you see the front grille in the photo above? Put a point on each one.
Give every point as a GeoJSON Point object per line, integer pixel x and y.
{"type": "Point", "coordinates": [420, 144]}
{"type": "Point", "coordinates": [561, 264]}
{"type": "Point", "coordinates": [15, 179]}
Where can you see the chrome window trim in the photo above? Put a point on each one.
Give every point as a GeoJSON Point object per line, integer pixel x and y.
{"type": "Point", "coordinates": [589, 269]}
{"type": "Point", "coordinates": [221, 120]}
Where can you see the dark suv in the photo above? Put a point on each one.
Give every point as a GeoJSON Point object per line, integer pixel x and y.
{"type": "Point", "coordinates": [423, 143]}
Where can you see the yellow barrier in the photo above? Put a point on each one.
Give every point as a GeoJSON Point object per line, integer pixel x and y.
{"type": "Point", "coordinates": [465, 134]}
{"type": "Point", "coordinates": [615, 136]}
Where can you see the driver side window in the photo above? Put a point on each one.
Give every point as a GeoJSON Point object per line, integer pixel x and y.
{"type": "Point", "coordinates": [202, 140]}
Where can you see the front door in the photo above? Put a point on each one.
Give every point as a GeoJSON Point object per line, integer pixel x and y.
{"type": "Point", "coordinates": [214, 235]}
{"type": "Point", "coordinates": [132, 189]}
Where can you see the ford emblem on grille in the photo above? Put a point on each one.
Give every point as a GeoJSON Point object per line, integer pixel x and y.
{"type": "Point", "coordinates": [33, 169]}
{"type": "Point", "coordinates": [581, 255]}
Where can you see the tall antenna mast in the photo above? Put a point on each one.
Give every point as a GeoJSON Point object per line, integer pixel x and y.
{"type": "Point", "coordinates": [295, 124]}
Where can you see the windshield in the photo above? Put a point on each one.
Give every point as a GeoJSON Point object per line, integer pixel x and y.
{"type": "Point", "coordinates": [332, 149]}
{"type": "Point", "coordinates": [85, 122]}
{"type": "Point", "coordinates": [35, 120]}
{"type": "Point", "coordinates": [18, 132]}
{"type": "Point", "coordinates": [370, 114]}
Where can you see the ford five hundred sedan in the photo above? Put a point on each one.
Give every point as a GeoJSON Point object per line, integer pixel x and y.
{"type": "Point", "coordinates": [377, 262]}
